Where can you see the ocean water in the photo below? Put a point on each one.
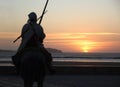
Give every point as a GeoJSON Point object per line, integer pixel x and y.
{"type": "Point", "coordinates": [87, 57]}
{"type": "Point", "coordinates": [73, 57]}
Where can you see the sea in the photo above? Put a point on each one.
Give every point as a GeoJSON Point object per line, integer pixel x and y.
{"type": "Point", "coordinates": [72, 57]}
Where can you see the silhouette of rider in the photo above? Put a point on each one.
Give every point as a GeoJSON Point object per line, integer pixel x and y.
{"type": "Point", "coordinates": [34, 38]}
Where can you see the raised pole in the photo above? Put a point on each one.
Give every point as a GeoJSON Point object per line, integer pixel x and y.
{"type": "Point", "coordinates": [41, 17]}
{"type": "Point", "coordinates": [44, 10]}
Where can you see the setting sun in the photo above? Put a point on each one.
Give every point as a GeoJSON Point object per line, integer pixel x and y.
{"type": "Point", "coordinates": [85, 49]}
{"type": "Point", "coordinates": [85, 46]}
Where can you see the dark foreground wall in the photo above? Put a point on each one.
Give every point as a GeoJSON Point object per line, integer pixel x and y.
{"type": "Point", "coordinates": [70, 70]}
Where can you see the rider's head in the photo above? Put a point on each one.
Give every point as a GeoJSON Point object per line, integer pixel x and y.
{"type": "Point", "coordinates": [32, 17]}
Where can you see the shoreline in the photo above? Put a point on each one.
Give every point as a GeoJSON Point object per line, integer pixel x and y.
{"type": "Point", "coordinates": [73, 68]}
{"type": "Point", "coordinates": [68, 62]}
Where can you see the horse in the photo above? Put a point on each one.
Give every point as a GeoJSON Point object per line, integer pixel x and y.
{"type": "Point", "coordinates": [32, 67]}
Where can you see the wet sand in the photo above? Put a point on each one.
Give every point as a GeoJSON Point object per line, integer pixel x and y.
{"type": "Point", "coordinates": [79, 68]}
{"type": "Point", "coordinates": [66, 81]}
{"type": "Point", "coordinates": [75, 63]}
{"type": "Point", "coordinates": [70, 74]}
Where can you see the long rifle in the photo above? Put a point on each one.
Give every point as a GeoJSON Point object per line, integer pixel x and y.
{"type": "Point", "coordinates": [41, 17]}
{"type": "Point", "coordinates": [44, 11]}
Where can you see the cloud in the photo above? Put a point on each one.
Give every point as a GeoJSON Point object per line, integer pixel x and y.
{"type": "Point", "coordinates": [8, 35]}
{"type": "Point", "coordinates": [66, 41]}
{"type": "Point", "coordinates": [82, 36]}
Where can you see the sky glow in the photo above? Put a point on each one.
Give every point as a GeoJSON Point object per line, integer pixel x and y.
{"type": "Point", "coordinates": [70, 25]}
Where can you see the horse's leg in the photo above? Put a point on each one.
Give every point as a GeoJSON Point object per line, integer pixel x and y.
{"type": "Point", "coordinates": [40, 82]}
{"type": "Point", "coordinates": [28, 83]}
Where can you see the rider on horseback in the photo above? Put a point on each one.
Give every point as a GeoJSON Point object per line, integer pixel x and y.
{"type": "Point", "coordinates": [34, 38]}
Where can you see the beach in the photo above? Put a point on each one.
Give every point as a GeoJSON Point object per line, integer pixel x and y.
{"type": "Point", "coordinates": [68, 76]}
{"type": "Point", "coordinates": [73, 66]}
{"type": "Point", "coordinates": [66, 81]}
{"type": "Point", "coordinates": [70, 72]}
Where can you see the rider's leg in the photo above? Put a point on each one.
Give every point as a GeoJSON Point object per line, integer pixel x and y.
{"type": "Point", "coordinates": [48, 60]}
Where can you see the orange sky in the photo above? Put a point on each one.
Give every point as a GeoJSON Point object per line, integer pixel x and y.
{"type": "Point", "coordinates": [71, 42]}
{"type": "Point", "coordinates": [70, 25]}
{"type": "Point", "coordinates": [84, 42]}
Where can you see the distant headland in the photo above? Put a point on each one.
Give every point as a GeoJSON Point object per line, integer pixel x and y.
{"type": "Point", "coordinates": [3, 50]}
{"type": "Point", "coordinates": [52, 50]}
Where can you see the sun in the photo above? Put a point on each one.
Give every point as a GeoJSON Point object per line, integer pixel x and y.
{"type": "Point", "coordinates": [85, 46]}
{"type": "Point", "coordinates": [85, 49]}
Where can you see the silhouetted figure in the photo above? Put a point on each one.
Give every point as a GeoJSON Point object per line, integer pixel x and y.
{"type": "Point", "coordinates": [31, 54]}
